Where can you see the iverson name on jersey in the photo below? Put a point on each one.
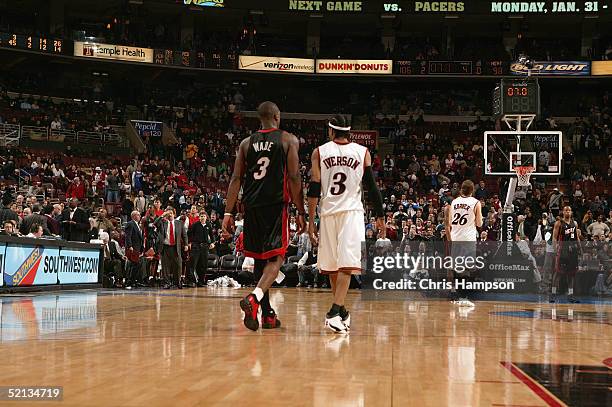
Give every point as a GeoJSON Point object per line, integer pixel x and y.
{"type": "Point", "coordinates": [341, 161]}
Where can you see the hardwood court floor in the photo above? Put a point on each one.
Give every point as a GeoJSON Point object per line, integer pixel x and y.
{"type": "Point", "coordinates": [189, 348]}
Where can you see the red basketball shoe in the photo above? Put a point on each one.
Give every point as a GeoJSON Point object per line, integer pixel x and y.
{"type": "Point", "coordinates": [270, 321]}
{"type": "Point", "coordinates": [250, 306]}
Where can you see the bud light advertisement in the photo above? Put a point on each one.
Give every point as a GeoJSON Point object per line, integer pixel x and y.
{"type": "Point", "coordinates": [556, 68]}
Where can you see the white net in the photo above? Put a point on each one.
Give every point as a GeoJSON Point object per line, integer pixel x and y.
{"type": "Point", "coordinates": [523, 174]}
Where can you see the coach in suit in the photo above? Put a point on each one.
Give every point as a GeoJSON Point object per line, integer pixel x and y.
{"type": "Point", "coordinates": [171, 242]}
{"type": "Point", "coordinates": [200, 240]}
{"type": "Point", "coordinates": [34, 218]}
{"type": "Point", "coordinates": [75, 222]}
{"type": "Point", "coordinates": [134, 247]}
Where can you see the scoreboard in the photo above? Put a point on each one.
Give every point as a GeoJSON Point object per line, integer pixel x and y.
{"type": "Point", "coordinates": [194, 59]}
{"type": "Point", "coordinates": [31, 43]}
{"type": "Point", "coordinates": [455, 68]}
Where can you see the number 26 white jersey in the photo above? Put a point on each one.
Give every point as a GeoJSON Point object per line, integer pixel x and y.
{"type": "Point", "coordinates": [342, 168]}
{"type": "Point", "coordinates": [463, 219]}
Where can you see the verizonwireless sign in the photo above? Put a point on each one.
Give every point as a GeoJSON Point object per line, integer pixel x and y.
{"type": "Point", "coordinates": [113, 52]}
{"type": "Point", "coordinates": [355, 66]}
{"type": "Point", "coordinates": [274, 64]}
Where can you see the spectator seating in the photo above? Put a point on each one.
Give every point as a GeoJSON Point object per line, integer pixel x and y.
{"type": "Point", "coordinates": [292, 259]}
{"type": "Point", "coordinates": [228, 264]}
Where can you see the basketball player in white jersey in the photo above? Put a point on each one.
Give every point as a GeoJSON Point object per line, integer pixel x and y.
{"type": "Point", "coordinates": [464, 216]}
{"type": "Point", "coordinates": [338, 169]}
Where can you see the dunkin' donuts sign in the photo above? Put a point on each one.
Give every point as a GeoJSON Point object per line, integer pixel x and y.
{"type": "Point", "coordinates": [355, 66]}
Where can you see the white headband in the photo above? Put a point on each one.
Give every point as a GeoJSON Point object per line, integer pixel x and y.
{"type": "Point", "coordinates": [339, 128]}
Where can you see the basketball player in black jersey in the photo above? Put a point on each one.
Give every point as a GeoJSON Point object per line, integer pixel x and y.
{"type": "Point", "coordinates": [268, 164]}
{"type": "Point", "coordinates": [566, 241]}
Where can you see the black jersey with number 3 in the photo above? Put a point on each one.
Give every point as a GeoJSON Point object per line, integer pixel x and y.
{"type": "Point", "coordinates": [266, 167]}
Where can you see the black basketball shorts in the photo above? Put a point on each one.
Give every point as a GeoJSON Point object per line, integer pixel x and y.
{"type": "Point", "coordinates": [567, 263]}
{"type": "Point", "coordinates": [266, 231]}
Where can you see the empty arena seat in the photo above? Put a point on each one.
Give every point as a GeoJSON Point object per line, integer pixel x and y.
{"type": "Point", "coordinates": [213, 262]}
{"type": "Point", "coordinates": [293, 259]}
{"type": "Point", "coordinates": [228, 263]}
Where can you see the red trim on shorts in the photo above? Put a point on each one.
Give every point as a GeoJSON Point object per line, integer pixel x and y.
{"type": "Point", "coordinates": [281, 251]}
{"type": "Point", "coordinates": [285, 236]}
{"type": "Point", "coordinates": [350, 270]}
{"type": "Point", "coordinates": [343, 270]}
{"type": "Point", "coordinates": [267, 255]}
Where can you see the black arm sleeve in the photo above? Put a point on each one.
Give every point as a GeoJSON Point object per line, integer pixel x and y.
{"type": "Point", "coordinates": [374, 195]}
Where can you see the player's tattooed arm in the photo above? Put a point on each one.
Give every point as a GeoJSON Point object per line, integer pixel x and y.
{"type": "Point", "coordinates": [234, 186]}
{"type": "Point", "coordinates": [374, 195]}
{"type": "Point", "coordinates": [313, 198]}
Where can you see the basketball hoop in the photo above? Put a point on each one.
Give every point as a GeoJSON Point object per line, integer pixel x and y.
{"type": "Point", "coordinates": [523, 173]}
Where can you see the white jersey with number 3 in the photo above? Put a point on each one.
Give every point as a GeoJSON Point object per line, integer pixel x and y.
{"type": "Point", "coordinates": [341, 173]}
{"type": "Point", "coordinates": [463, 219]}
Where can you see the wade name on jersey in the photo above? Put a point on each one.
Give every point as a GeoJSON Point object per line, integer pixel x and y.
{"type": "Point", "coordinates": [341, 161]}
{"type": "Point", "coordinates": [263, 146]}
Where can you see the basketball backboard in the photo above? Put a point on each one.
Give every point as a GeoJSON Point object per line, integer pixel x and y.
{"type": "Point", "coordinates": [505, 150]}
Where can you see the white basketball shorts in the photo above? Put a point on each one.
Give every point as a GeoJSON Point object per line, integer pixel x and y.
{"type": "Point", "coordinates": [341, 236]}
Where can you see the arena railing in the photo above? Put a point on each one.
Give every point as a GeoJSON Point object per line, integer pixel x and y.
{"type": "Point", "coordinates": [35, 133]}
{"type": "Point", "coordinates": [90, 137]}
{"type": "Point", "coordinates": [112, 139]}
{"type": "Point", "coordinates": [9, 134]}
{"type": "Point", "coordinates": [62, 136]}
{"type": "Point", "coordinates": [120, 133]}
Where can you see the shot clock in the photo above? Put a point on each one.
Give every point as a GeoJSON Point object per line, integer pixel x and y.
{"type": "Point", "coordinates": [517, 97]}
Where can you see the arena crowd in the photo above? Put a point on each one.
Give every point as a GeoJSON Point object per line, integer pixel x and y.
{"type": "Point", "coordinates": [122, 199]}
